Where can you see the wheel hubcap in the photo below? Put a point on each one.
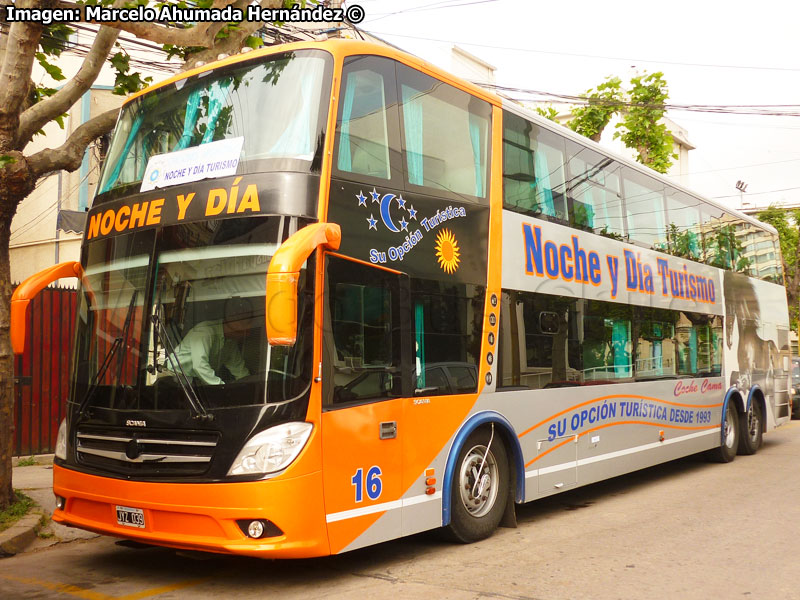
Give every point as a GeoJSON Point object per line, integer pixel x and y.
{"type": "Point", "coordinates": [729, 432]}
{"type": "Point", "coordinates": [478, 481]}
{"type": "Point", "coordinates": [753, 423]}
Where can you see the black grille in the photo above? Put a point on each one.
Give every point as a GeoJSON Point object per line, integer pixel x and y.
{"type": "Point", "coordinates": [146, 453]}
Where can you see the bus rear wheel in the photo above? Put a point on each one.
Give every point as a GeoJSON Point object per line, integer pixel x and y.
{"type": "Point", "coordinates": [479, 489]}
{"type": "Point", "coordinates": [752, 428]}
{"type": "Point", "coordinates": [730, 436]}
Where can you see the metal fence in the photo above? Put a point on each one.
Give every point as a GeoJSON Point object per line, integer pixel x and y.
{"type": "Point", "coordinates": [41, 374]}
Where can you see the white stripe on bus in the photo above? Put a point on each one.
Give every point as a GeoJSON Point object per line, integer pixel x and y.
{"type": "Point", "coordinates": [395, 504]}
{"type": "Point", "coordinates": [617, 454]}
{"type": "Point", "coordinates": [382, 507]}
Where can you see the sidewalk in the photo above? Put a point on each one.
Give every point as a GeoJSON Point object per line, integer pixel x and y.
{"type": "Point", "coordinates": [37, 483]}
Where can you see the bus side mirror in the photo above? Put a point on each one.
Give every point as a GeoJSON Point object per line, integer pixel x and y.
{"type": "Point", "coordinates": [27, 290]}
{"type": "Point", "coordinates": [283, 274]}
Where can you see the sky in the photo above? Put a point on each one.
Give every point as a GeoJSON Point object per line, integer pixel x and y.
{"type": "Point", "coordinates": [731, 53]}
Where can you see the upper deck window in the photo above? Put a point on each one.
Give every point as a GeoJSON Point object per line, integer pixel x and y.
{"type": "Point", "coordinates": [593, 188]}
{"type": "Point", "coordinates": [274, 106]}
{"type": "Point", "coordinates": [533, 169]}
{"type": "Point", "coordinates": [445, 136]}
{"type": "Point", "coordinates": [366, 130]}
{"type": "Point", "coordinates": [644, 210]}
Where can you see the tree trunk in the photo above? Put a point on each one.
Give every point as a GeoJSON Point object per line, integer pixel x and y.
{"type": "Point", "coordinates": [6, 368]}
{"type": "Point", "coordinates": [16, 182]}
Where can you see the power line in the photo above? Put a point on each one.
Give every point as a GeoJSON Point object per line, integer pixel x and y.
{"type": "Point", "coordinates": [427, 7]}
{"type": "Point", "coordinates": [771, 110]}
{"type": "Point", "coordinates": [26, 227]}
{"type": "Point", "coordinates": [777, 162]}
{"type": "Point", "coordinates": [758, 193]}
{"type": "Point", "coordinates": [579, 55]}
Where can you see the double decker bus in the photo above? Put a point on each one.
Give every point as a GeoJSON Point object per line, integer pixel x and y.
{"type": "Point", "coordinates": [331, 295]}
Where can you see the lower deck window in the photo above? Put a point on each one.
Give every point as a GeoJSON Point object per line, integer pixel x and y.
{"type": "Point", "coordinates": [553, 341]}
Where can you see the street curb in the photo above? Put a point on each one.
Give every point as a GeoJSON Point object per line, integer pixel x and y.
{"type": "Point", "coordinates": [17, 537]}
{"type": "Point", "coordinates": [41, 459]}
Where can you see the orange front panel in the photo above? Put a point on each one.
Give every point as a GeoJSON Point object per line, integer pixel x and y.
{"type": "Point", "coordinates": [429, 423]}
{"type": "Point", "coordinates": [362, 473]}
{"type": "Point", "coordinates": [201, 516]}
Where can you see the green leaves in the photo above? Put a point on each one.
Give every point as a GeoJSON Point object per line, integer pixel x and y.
{"type": "Point", "coordinates": [55, 38]}
{"type": "Point", "coordinates": [641, 108]}
{"type": "Point", "coordinates": [548, 113]}
{"type": "Point", "coordinates": [125, 83]}
{"type": "Point", "coordinates": [641, 127]}
{"type": "Point", "coordinates": [603, 102]}
{"type": "Point", "coordinates": [253, 42]}
{"type": "Point", "coordinates": [52, 70]}
{"type": "Point", "coordinates": [5, 159]}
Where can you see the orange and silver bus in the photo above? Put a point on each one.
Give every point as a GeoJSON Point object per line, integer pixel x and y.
{"type": "Point", "coordinates": [331, 295]}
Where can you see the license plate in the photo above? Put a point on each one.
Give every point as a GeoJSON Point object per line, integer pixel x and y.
{"type": "Point", "coordinates": [130, 517]}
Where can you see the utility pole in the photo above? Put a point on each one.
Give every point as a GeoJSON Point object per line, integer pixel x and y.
{"type": "Point", "coordinates": [742, 187]}
{"type": "Point", "coordinates": [337, 33]}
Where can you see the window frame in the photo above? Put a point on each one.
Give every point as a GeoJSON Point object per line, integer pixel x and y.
{"type": "Point", "coordinates": [387, 68]}
{"type": "Point", "coordinates": [405, 75]}
{"type": "Point", "coordinates": [401, 316]}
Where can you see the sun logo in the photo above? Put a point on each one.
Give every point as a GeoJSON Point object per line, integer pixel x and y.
{"type": "Point", "coordinates": [447, 251]}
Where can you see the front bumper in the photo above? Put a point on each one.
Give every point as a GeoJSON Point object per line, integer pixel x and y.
{"type": "Point", "coordinates": [200, 516]}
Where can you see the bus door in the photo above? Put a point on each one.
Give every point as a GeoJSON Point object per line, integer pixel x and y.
{"type": "Point", "coordinates": [366, 367]}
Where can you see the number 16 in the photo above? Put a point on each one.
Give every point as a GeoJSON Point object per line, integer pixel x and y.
{"type": "Point", "coordinates": [373, 483]}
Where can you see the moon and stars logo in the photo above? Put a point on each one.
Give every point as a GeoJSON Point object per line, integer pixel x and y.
{"type": "Point", "coordinates": [400, 217]}
{"type": "Point", "coordinates": [385, 203]}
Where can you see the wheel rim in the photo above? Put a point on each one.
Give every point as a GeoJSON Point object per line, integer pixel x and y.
{"type": "Point", "coordinates": [478, 486]}
{"type": "Point", "coordinates": [730, 433]}
{"type": "Point", "coordinates": [753, 424]}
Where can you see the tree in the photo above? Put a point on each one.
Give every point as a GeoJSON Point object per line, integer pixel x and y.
{"type": "Point", "coordinates": [602, 104]}
{"type": "Point", "coordinates": [641, 108]}
{"type": "Point", "coordinates": [26, 107]}
{"type": "Point", "coordinates": [641, 127]}
{"type": "Point", "coordinates": [787, 222]}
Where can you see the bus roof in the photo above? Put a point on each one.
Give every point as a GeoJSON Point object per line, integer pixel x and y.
{"type": "Point", "coordinates": [340, 48]}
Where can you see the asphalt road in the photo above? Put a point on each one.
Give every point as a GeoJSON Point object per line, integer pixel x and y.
{"type": "Point", "coordinates": [688, 529]}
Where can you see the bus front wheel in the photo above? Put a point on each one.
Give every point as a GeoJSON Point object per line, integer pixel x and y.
{"type": "Point", "coordinates": [730, 436]}
{"type": "Point", "coordinates": [480, 487]}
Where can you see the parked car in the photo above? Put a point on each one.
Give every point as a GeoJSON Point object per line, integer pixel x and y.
{"type": "Point", "coordinates": [440, 378]}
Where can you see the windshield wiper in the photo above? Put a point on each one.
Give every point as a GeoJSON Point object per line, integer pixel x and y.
{"type": "Point", "coordinates": [118, 341]}
{"type": "Point", "coordinates": [162, 337]}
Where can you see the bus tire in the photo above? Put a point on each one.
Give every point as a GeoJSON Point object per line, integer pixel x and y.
{"type": "Point", "coordinates": [752, 429]}
{"type": "Point", "coordinates": [478, 500]}
{"type": "Point", "coordinates": [730, 436]}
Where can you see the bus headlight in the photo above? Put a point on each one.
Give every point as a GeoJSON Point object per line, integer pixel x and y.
{"type": "Point", "coordinates": [272, 449]}
{"type": "Point", "coordinates": [61, 441]}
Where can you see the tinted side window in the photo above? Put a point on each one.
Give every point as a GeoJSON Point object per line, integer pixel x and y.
{"type": "Point", "coordinates": [366, 128]}
{"type": "Point", "coordinates": [554, 341]}
{"type": "Point", "coordinates": [447, 335]}
{"type": "Point", "coordinates": [684, 231]}
{"type": "Point", "coordinates": [363, 333]}
{"type": "Point", "coordinates": [593, 190]}
{"type": "Point", "coordinates": [445, 136]}
{"type": "Point", "coordinates": [644, 210]}
{"type": "Point", "coordinates": [533, 169]}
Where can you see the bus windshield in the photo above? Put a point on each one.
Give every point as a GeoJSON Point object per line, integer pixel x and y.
{"type": "Point", "coordinates": [280, 98]}
{"type": "Point", "coordinates": [175, 320]}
